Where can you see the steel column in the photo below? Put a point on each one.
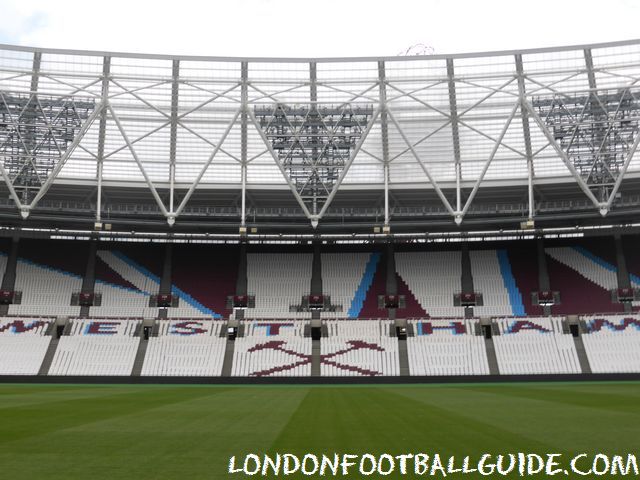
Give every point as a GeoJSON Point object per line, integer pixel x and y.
{"type": "Point", "coordinates": [173, 136]}
{"type": "Point", "coordinates": [106, 73]}
{"type": "Point", "coordinates": [563, 156]}
{"type": "Point", "coordinates": [527, 135]}
{"type": "Point", "coordinates": [384, 129]}
{"type": "Point", "coordinates": [588, 60]}
{"type": "Point", "coordinates": [453, 111]}
{"type": "Point", "coordinates": [426, 171]}
{"type": "Point", "coordinates": [313, 97]}
{"type": "Point", "coordinates": [244, 98]}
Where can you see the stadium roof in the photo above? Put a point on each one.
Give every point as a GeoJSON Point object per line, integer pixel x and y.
{"type": "Point", "coordinates": [428, 143]}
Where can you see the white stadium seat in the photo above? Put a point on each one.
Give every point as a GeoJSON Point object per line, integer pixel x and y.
{"type": "Point", "coordinates": [186, 348]}
{"type": "Point", "coordinates": [534, 346]}
{"type": "Point", "coordinates": [442, 348]}
{"type": "Point", "coordinates": [97, 347]}
{"type": "Point", "coordinates": [359, 348]}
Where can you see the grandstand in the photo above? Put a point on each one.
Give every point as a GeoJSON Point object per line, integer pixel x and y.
{"type": "Point", "coordinates": [428, 217]}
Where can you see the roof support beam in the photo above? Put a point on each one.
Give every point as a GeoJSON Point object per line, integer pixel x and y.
{"type": "Point", "coordinates": [244, 98]}
{"type": "Point", "coordinates": [173, 135]}
{"type": "Point", "coordinates": [102, 128]}
{"type": "Point", "coordinates": [623, 171]}
{"type": "Point", "coordinates": [347, 166]}
{"type": "Point", "coordinates": [313, 97]}
{"type": "Point", "coordinates": [205, 167]}
{"type": "Point", "coordinates": [527, 135]}
{"type": "Point", "coordinates": [35, 78]}
{"type": "Point", "coordinates": [63, 159]}
{"type": "Point", "coordinates": [588, 60]}
{"type": "Point", "coordinates": [591, 76]}
{"type": "Point", "coordinates": [274, 155]}
{"type": "Point", "coordinates": [384, 130]}
{"type": "Point", "coordinates": [476, 186]}
{"type": "Point", "coordinates": [453, 110]}
{"type": "Point", "coordinates": [563, 156]}
{"type": "Point", "coordinates": [147, 179]}
{"type": "Point", "coordinates": [426, 171]}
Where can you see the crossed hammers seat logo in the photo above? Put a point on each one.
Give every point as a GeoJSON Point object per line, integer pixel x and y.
{"type": "Point", "coordinates": [325, 359]}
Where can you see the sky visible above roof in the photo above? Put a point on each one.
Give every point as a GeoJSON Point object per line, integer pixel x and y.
{"type": "Point", "coordinates": [327, 28]}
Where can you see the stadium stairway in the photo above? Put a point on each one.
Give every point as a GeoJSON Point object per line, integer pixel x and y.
{"type": "Point", "coordinates": [227, 363]}
{"type": "Point", "coordinates": [89, 278]}
{"type": "Point", "coordinates": [165, 280]}
{"type": "Point", "coordinates": [48, 357]}
{"type": "Point", "coordinates": [403, 357]}
{"type": "Point", "coordinates": [583, 359]}
{"type": "Point", "coordinates": [315, 358]}
{"type": "Point", "coordinates": [466, 281]}
{"type": "Point", "coordinates": [544, 283]}
{"type": "Point", "coordinates": [9, 277]}
{"type": "Point", "coordinates": [492, 359]}
{"type": "Point", "coordinates": [136, 371]}
{"type": "Point", "coordinates": [624, 280]}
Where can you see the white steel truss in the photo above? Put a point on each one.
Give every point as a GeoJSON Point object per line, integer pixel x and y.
{"type": "Point", "coordinates": [451, 125]}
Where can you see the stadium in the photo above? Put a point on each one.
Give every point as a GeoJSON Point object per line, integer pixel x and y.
{"type": "Point", "coordinates": [309, 242]}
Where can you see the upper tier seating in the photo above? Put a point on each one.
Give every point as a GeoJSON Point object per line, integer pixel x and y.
{"type": "Point", "coordinates": [48, 272]}
{"type": "Point", "coordinates": [433, 278]}
{"type": "Point", "coordinates": [612, 343]}
{"type": "Point", "coordinates": [632, 257]}
{"type": "Point", "coordinates": [3, 265]}
{"type": "Point", "coordinates": [342, 274]}
{"type": "Point", "coordinates": [190, 347]}
{"type": "Point", "coordinates": [446, 347]}
{"type": "Point", "coordinates": [278, 281]}
{"type": "Point", "coordinates": [489, 279]}
{"type": "Point", "coordinates": [23, 345]}
{"type": "Point", "coordinates": [97, 347]}
{"type": "Point", "coordinates": [205, 275]}
{"type": "Point", "coordinates": [46, 291]}
{"type": "Point", "coordinates": [534, 346]}
{"type": "Point", "coordinates": [583, 282]}
{"type": "Point", "coordinates": [584, 263]}
{"type": "Point", "coordinates": [270, 348]}
{"type": "Point", "coordinates": [359, 348]}
{"type": "Point", "coordinates": [131, 300]}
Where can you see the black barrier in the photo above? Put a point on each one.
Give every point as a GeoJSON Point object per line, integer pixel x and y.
{"type": "Point", "coordinates": [572, 377]}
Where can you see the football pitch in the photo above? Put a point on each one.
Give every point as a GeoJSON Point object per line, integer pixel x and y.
{"type": "Point", "coordinates": [191, 432]}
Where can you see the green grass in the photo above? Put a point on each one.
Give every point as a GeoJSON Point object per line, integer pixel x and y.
{"type": "Point", "coordinates": [189, 432]}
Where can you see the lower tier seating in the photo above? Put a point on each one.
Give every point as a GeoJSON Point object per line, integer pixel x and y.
{"type": "Point", "coordinates": [612, 343]}
{"type": "Point", "coordinates": [534, 346]}
{"type": "Point", "coordinates": [446, 347]}
{"type": "Point", "coordinates": [23, 345]}
{"type": "Point", "coordinates": [186, 348]}
{"type": "Point", "coordinates": [197, 347]}
{"type": "Point", "coordinates": [97, 347]}
{"type": "Point", "coordinates": [359, 348]}
{"type": "Point", "coordinates": [270, 348]}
